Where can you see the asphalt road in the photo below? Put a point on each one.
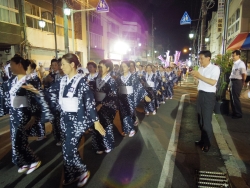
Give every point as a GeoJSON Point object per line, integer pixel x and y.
{"type": "Point", "coordinates": [138, 162]}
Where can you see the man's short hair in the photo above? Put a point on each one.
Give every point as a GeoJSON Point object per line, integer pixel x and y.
{"type": "Point", "coordinates": [236, 52]}
{"type": "Point", "coordinates": [206, 53]}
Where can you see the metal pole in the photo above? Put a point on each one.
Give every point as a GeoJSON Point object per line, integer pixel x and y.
{"type": "Point", "coordinates": [66, 34]}
{"type": "Point", "coordinates": [203, 24]}
{"type": "Point", "coordinates": [73, 31]}
{"type": "Point", "coordinates": [88, 33]}
{"type": "Point", "coordinates": [225, 28]}
{"type": "Point", "coordinates": [152, 45]}
{"type": "Point", "coordinates": [54, 23]}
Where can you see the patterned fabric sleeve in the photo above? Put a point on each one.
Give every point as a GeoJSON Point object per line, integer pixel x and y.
{"type": "Point", "coordinates": [1, 100]}
{"type": "Point", "coordinates": [139, 91]}
{"type": "Point", "coordinates": [157, 83]}
{"type": "Point", "coordinates": [110, 100]}
{"type": "Point", "coordinates": [86, 105]}
{"type": "Point", "coordinates": [51, 95]}
{"type": "Point", "coordinates": [174, 77]}
{"type": "Point", "coordinates": [46, 114]}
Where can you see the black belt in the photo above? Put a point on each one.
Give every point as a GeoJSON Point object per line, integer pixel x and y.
{"type": "Point", "coordinates": [201, 91]}
{"type": "Point", "coordinates": [234, 79]}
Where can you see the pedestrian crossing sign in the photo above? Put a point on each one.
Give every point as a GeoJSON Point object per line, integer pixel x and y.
{"type": "Point", "coordinates": [185, 19]}
{"type": "Point", "coordinates": [102, 6]}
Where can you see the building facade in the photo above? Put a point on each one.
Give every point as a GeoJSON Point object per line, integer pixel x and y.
{"type": "Point", "coordinates": [96, 34]}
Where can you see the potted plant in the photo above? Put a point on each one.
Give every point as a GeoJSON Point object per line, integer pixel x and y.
{"type": "Point", "coordinates": [225, 63]}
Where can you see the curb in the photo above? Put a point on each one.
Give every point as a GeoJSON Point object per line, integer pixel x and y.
{"type": "Point", "coordinates": [232, 168]}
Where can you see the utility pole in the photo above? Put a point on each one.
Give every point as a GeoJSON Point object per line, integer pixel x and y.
{"type": "Point", "coordinates": [152, 42]}
{"type": "Point", "coordinates": [66, 34]}
{"type": "Point", "coordinates": [203, 24]}
{"type": "Point", "coordinates": [54, 24]}
{"type": "Point", "coordinates": [88, 32]}
{"type": "Point", "coordinates": [225, 28]}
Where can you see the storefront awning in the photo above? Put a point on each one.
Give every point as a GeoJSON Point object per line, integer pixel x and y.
{"type": "Point", "coordinates": [241, 42]}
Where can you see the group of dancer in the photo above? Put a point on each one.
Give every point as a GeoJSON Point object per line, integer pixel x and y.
{"type": "Point", "coordinates": [78, 103]}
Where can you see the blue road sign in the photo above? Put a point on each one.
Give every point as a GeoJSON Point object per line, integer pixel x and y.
{"type": "Point", "coordinates": [102, 6]}
{"type": "Point", "coordinates": [185, 19]}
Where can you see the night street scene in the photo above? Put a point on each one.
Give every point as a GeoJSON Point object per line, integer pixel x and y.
{"type": "Point", "coordinates": [124, 93]}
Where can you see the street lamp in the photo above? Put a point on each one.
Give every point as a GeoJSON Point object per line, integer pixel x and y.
{"type": "Point", "coordinates": [191, 35]}
{"type": "Point", "coordinates": [190, 48]}
{"type": "Point", "coordinates": [139, 44]}
{"type": "Point", "coordinates": [206, 39]}
{"type": "Point", "coordinates": [70, 12]}
{"type": "Point", "coordinates": [42, 24]}
{"type": "Point", "coordinates": [185, 50]}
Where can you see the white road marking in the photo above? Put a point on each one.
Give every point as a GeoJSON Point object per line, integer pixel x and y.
{"type": "Point", "coordinates": [169, 162]}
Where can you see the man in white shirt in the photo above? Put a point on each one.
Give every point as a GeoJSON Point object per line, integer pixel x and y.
{"type": "Point", "coordinates": [237, 80]}
{"type": "Point", "coordinates": [207, 75]}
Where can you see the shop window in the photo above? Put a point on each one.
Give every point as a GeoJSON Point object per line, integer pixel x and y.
{"type": "Point", "coordinates": [95, 41]}
{"type": "Point", "coordinates": [237, 26]}
{"type": "Point", "coordinates": [9, 11]}
{"type": "Point", "coordinates": [9, 4]}
{"type": "Point", "coordinates": [31, 9]}
{"type": "Point", "coordinates": [237, 14]}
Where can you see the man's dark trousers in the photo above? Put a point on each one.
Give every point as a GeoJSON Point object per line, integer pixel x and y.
{"type": "Point", "coordinates": [205, 107]}
{"type": "Point", "coordinates": [235, 90]}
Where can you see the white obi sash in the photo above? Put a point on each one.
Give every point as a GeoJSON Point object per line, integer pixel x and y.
{"type": "Point", "coordinates": [69, 104]}
{"type": "Point", "coordinates": [126, 90]}
{"type": "Point", "coordinates": [18, 101]}
{"type": "Point", "coordinates": [150, 84]}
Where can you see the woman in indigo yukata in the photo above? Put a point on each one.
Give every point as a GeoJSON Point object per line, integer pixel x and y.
{"type": "Point", "coordinates": [78, 113]}
{"type": "Point", "coordinates": [52, 97]}
{"type": "Point", "coordinates": [24, 111]}
{"type": "Point", "coordinates": [91, 66]}
{"type": "Point", "coordinates": [39, 129]}
{"type": "Point", "coordinates": [171, 80]}
{"type": "Point", "coordinates": [105, 89]}
{"type": "Point", "coordinates": [54, 75]}
{"type": "Point", "coordinates": [162, 76]}
{"type": "Point", "coordinates": [130, 93]}
{"type": "Point", "coordinates": [152, 84]}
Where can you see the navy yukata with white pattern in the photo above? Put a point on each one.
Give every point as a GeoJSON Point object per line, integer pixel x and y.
{"type": "Point", "coordinates": [162, 76]}
{"type": "Point", "coordinates": [52, 96]}
{"type": "Point", "coordinates": [19, 117]}
{"type": "Point", "coordinates": [73, 125]}
{"type": "Point", "coordinates": [152, 92]}
{"type": "Point", "coordinates": [106, 113]}
{"type": "Point", "coordinates": [172, 79]}
{"type": "Point", "coordinates": [129, 102]}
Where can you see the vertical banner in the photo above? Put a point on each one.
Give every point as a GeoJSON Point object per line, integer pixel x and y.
{"type": "Point", "coordinates": [161, 58]}
{"type": "Point", "coordinates": [177, 57]}
{"type": "Point", "coordinates": [167, 59]}
{"type": "Point", "coordinates": [220, 15]}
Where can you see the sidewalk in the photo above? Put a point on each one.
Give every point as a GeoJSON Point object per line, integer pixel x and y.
{"type": "Point", "coordinates": [190, 158]}
{"type": "Point", "coordinates": [237, 135]}
{"type": "Point", "coordinates": [229, 152]}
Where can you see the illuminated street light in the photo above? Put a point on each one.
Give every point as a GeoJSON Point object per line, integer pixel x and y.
{"type": "Point", "coordinates": [121, 47]}
{"type": "Point", "coordinates": [139, 44]}
{"type": "Point", "coordinates": [190, 48]}
{"type": "Point", "coordinates": [185, 50]}
{"type": "Point", "coordinates": [155, 52]}
{"type": "Point", "coordinates": [191, 35]}
{"type": "Point", "coordinates": [206, 39]}
{"type": "Point", "coordinates": [67, 11]}
{"type": "Point", "coordinates": [41, 23]}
